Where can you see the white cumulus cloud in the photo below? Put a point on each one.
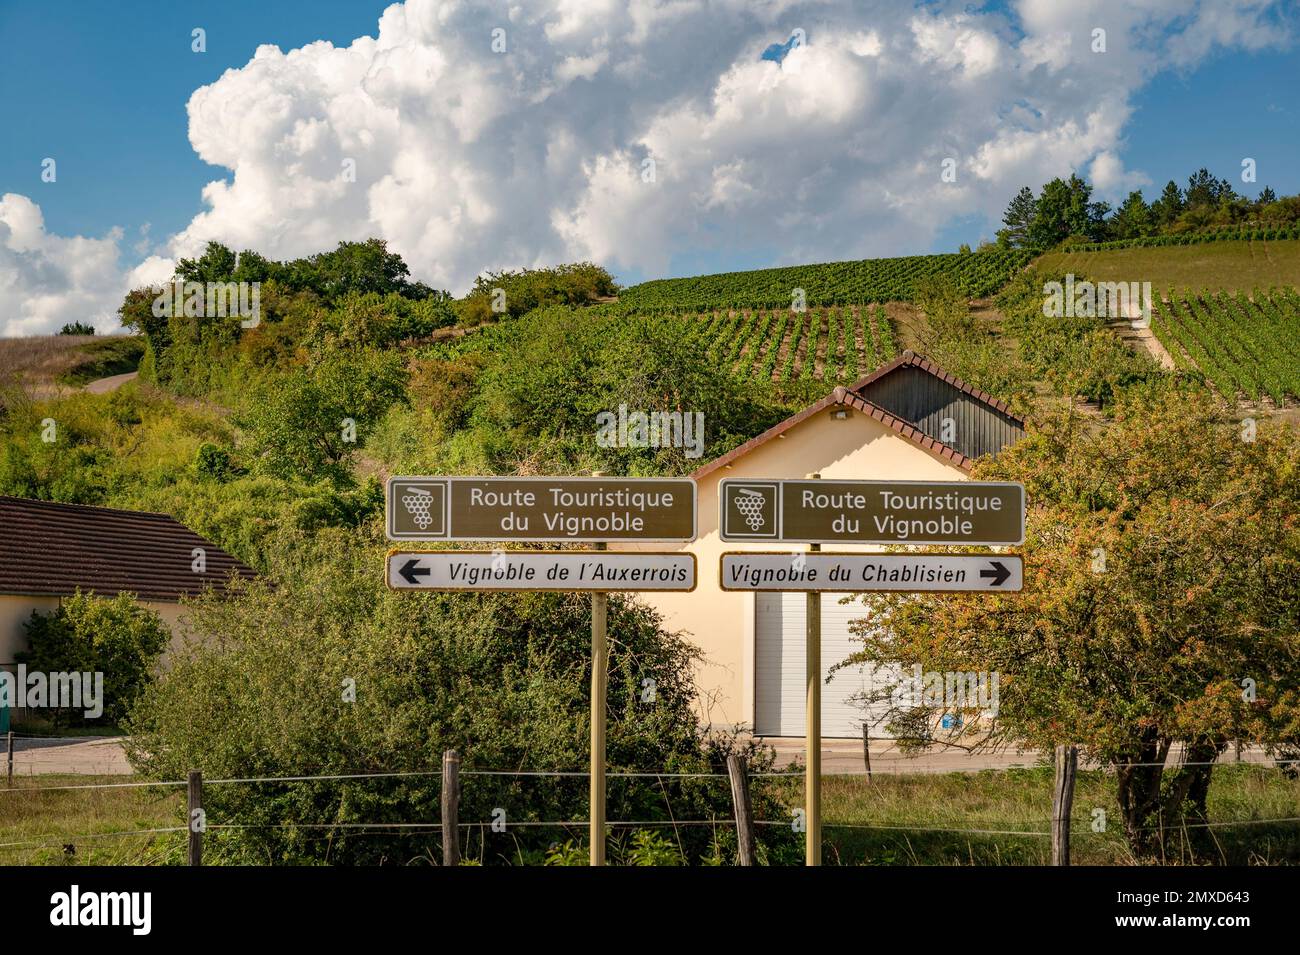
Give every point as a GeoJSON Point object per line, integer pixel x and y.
{"type": "Point", "coordinates": [642, 134]}
{"type": "Point", "coordinates": [48, 280]}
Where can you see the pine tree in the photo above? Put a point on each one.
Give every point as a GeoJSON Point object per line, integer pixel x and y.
{"type": "Point", "coordinates": [1018, 218]}
{"type": "Point", "coordinates": [1133, 218]}
{"type": "Point", "coordinates": [1169, 206]}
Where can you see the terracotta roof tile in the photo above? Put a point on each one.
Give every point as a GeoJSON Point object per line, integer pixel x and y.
{"type": "Point", "coordinates": [56, 549]}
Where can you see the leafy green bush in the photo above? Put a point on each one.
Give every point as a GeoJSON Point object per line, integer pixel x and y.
{"type": "Point", "coordinates": [307, 423]}
{"type": "Point", "coordinates": [557, 369]}
{"type": "Point", "coordinates": [1077, 354]}
{"type": "Point", "coordinates": [510, 294]}
{"type": "Point", "coordinates": [114, 636]}
{"type": "Point", "coordinates": [213, 461]}
{"type": "Point", "coordinates": [328, 673]}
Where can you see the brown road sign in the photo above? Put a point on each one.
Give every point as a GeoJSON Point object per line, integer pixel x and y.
{"type": "Point", "coordinates": [873, 512]}
{"type": "Point", "coordinates": [574, 509]}
{"type": "Point", "coordinates": [558, 570]}
{"type": "Point", "coordinates": [862, 573]}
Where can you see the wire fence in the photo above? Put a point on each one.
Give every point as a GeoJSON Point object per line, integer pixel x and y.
{"type": "Point", "coordinates": [420, 828]}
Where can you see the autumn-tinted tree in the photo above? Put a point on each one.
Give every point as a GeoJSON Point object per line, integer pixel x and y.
{"type": "Point", "coordinates": [1160, 617]}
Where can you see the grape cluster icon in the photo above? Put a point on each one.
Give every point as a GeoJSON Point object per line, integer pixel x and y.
{"type": "Point", "coordinates": [417, 503]}
{"type": "Point", "coordinates": [750, 505]}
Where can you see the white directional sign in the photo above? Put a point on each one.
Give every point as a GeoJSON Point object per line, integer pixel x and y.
{"type": "Point", "coordinates": [858, 573]}
{"type": "Point", "coordinates": [568, 570]}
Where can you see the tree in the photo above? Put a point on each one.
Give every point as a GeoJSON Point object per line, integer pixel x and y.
{"type": "Point", "coordinates": [1064, 209]}
{"type": "Point", "coordinates": [1204, 190]}
{"type": "Point", "coordinates": [1133, 219]}
{"type": "Point", "coordinates": [1266, 196]}
{"type": "Point", "coordinates": [1169, 206]}
{"type": "Point", "coordinates": [216, 264]}
{"type": "Point", "coordinates": [308, 422]}
{"type": "Point", "coordinates": [77, 328]}
{"type": "Point", "coordinates": [1161, 605]}
{"type": "Point", "coordinates": [1017, 219]}
{"type": "Point", "coordinates": [116, 637]}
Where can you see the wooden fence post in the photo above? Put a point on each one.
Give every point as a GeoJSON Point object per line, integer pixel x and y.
{"type": "Point", "coordinates": [450, 808]}
{"type": "Point", "coordinates": [866, 749]}
{"type": "Point", "coordinates": [194, 821]}
{"type": "Point", "coordinates": [1066, 760]}
{"type": "Point", "coordinates": [9, 748]}
{"type": "Point", "coordinates": [739, 774]}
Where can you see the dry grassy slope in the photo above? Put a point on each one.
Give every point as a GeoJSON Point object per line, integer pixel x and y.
{"type": "Point", "coordinates": [55, 364]}
{"type": "Point", "coordinates": [35, 364]}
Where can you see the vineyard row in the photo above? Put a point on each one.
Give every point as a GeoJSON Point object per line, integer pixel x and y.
{"type": "Point", "coordinates": [831, 345]}
{"type": "Point", "coordinates": [1244, 346]}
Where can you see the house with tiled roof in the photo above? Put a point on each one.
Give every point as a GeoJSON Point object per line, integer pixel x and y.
{"type": "Point", "coordinates": [49, 551]}
{"type": "Point", "coordinates": [909, 420]}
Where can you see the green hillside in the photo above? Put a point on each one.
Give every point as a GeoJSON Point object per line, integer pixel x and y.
{"type": "Point", "coordinates": [1243, 346]}
{"type": "Point", "coordinates": [1216, 266]}
{"type": "Point", "coordinates": [832, 283]}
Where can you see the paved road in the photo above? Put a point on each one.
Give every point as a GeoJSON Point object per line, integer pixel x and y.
{"type": "Point", "coordinates": [84, 755]}
{"type": "Point", "coordinates": [104, 385]}
{"type": "Point", "coordinates": [845, 756]}
{"type": "Point", "coordinates": [104, 756]}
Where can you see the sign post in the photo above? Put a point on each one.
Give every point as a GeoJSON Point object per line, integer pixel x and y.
{"type": "Point", "coordinates": [594, 510]}
{"type": "Point", "coordinates": [599, 681]}
{"type": "Point", "coordinates": [812, 787]}
{"type": "Point", "coordinates": [817, 512]}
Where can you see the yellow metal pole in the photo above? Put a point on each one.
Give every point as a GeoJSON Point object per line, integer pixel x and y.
{"type": "Point", "coordinates": [599, 670]}
{"type": "Point", "coordinates": [813, 725]}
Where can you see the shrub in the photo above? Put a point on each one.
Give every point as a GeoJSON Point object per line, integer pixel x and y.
{"type": "Point", "coordinates": [328, 672]}
{"type": "Point", "coordinates": [114, 636]}
{"type": "Point", "coordinates": [301, 423]}
{"type": "Point", "coordinates": [213, 461]}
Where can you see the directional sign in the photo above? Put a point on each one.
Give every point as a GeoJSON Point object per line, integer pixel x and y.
{"type": "Point", "coordinates": [872, 512]}
{"type": "Point", "coordinates": [859, 573]}
{"type": "Point", "coordinates": [541, 509]}
{"type": "Point", "coordinates": [566, 570]}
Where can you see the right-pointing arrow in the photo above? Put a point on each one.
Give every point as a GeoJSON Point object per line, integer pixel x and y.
{"type": "Point", "coordinates": [999, 573]}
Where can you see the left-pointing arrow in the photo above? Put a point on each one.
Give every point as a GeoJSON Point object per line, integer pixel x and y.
{"type": "Point", "coordinates": [411, 571]}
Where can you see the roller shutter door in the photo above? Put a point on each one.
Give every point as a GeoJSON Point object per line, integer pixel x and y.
{"type": "Point", "coordinates": [779, 628]}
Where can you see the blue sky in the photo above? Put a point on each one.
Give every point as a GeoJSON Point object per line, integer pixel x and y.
{"type": "Point", "coordinates": [103, 89]}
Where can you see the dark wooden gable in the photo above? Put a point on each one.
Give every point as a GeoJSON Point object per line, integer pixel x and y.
{"type": "Point", "coordinates": [926, 399]}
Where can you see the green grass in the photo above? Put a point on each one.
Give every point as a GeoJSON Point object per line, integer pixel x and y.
{"type": "Point", "coordinates": [103, 357]}
{"type": "Point", "coordinates": [911, 819]}
{"type": "Point", "coordinates": [905, 819]}
{"type": "Point", "coordinates": [89, 826]}
{"type": "Point", "coordinates": [1227, 266]}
